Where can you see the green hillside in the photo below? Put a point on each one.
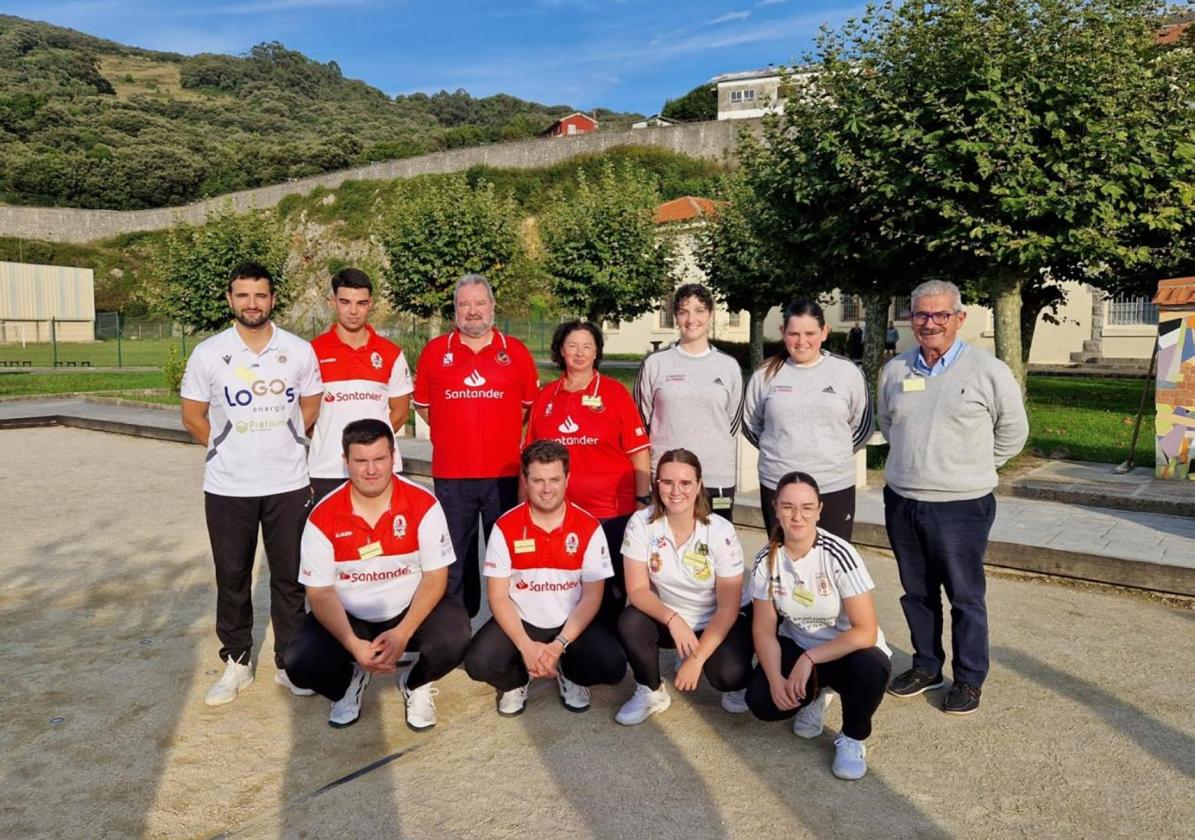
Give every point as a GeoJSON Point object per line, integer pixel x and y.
{"type": "Point", "coordinates": [86, 122]}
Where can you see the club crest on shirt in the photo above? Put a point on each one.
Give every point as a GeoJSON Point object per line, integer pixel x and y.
{"type": "Point", "coordinates": [572, 542]}
{"type": "Point", "coordinates": [502, 358]}
{"type": "Point", "coordinates": [661, 542]}
{"type": "Point", "coordinates": [822, 582]}
{"type": "Point", "coordinates": [548, 409]}
{"type": "Point", "coordinates": [400, 526]}
{"type": "Point", "coordinates": [375, 359]}
{"type": "Point", "coordinates": [447, 360]}
{"type": "Point", "coordinates": [655, 563]}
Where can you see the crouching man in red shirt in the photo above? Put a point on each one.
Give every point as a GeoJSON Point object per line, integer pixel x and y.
{"type": "Point", "coordinates": [374, 558]}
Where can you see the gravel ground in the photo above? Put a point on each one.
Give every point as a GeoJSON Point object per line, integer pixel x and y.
{"type": "Point", "coordinates": [106, 624]}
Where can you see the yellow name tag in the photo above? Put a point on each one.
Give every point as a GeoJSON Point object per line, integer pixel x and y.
{"type": "Point", "coordinates": [591, 402]}
{"type": "Point", "coordinates": [803, 596]}
{"type": "Point", "coordinates": [699, 563]}
{"type": "Point", "coordinates": [524, 546]}
{"type": "Point", "coordinates": [374, 549]}
{"type": "Point", "coordinates": [913, 383]}
{"type": "Point", "coordinates": [721, 502]}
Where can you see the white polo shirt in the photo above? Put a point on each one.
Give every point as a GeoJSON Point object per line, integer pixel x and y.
{"type": "Point", "coordinates": [258, 445]}
{"type": "Point", "coordinates": [808, 592]}
{"type": "Point", "coordinates": [683, 576]}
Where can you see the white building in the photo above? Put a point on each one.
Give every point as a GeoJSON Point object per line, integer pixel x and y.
{"type": "Point", "coordinates": [39, 303]}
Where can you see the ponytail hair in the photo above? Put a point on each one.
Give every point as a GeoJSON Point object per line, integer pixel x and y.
{"type": "Point", "coordinates": [804, 306]}
{"type": "Point", "coordinates": [776, 538]}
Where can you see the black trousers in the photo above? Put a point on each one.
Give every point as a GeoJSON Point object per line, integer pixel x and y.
{"type": "Point", "coordinates": [614, 592]}
{"type": "Point", "coordinates": [232, 523]}
{"type": "Point", "coordinates": [464, 500]}
{"type": "Point", "coordinates": [941, 545]}
{"type": "Point", "coordinates": [838, 511]}
{"type": "Point", "coordinates": [323, 487]}
{"type": "Point", "coordinates": [860, 679]}
{"type": "Point", "coordinates": [726, 493]}
{"type": "Point", "coordinates": [593, 658]}
{"type": "Point", "coordinates": [316, 660]}
{"type": "Point", "coordinates": [727, 669]}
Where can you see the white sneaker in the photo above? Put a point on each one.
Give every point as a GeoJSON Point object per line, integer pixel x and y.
{"type": "Point", "coordinates": [511, 703]}
{"type": "Point", "coordinates": [281, 678]}
{"type": "Point", "coordinates": [849, 759]}
{"type": "Point", "coordinates": [421, 704]}
{"type": "Point", "coordinates": [347, 709]}
{"type": "Point", "coordinates": [735, 702]}
{"type": "Point", "coordinates": [236, 677]}
{"type": "Point", "coordinates": [809, 721]}
{"type": "Point", "coordinates": [643, 704]}
{"type": "Point", "coordinates": [574, 697]}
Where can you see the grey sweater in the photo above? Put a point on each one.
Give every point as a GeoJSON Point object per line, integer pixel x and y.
{"type": "Point", "coordinates": [694, 402]}
{"type": "Point", "coordinates": [811, 419]}
{"type": "Point", "coordinates": [947, 434]}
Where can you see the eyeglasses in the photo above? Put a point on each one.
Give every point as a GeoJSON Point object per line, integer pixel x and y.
{"type": "Point", "coordinates": [685, 485]}
{"type": "Point", "coordinates": [939, 318]}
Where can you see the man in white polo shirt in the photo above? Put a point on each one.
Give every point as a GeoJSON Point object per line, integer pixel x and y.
{"type": "Point", "coordinates": [375, 563]}
{"type": "Point", "coordinates": [248, 395]}
{"type": "Point", "coordinates": [546, 564]}
{"type": "Point", "coordinates": [364, 374]}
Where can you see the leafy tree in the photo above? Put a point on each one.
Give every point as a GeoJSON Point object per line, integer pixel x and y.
{"type": "Point", "coordinates": [437, 229]}
{"type": "Point", "coordinates": [196, 260]}
{"type": "Point", "coordinates": [602, 247]}
{"type": "Point", "coordinates": [701, 103]}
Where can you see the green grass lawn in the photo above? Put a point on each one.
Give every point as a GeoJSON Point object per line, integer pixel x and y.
{"type": "Point", "coordinates": [150, 351]}
{"type": "Point", "coordinates": [1091, 417]}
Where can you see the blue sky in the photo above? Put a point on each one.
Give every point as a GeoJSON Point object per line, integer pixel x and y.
{"type": "Point", "coordinates": [628, 55]}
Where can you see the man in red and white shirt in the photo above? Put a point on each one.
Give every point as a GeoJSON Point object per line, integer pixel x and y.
{"type": "Point", "coordinates": [375, 563]}
{"type": "Point", "coordinates": [365, 375]}
{"type": "Point", "coordinates": [473, 387]}
{"type": "Point", "coordinates": [546, 565]}
{"type": "Point", "coordinates": [249, 394]}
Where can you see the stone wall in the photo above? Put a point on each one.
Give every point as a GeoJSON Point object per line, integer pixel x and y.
{"type": "Point", "coordinates": [709, 140]}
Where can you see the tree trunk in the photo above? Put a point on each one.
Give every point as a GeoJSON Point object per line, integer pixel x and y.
{"type": "Point", "coordinates": [875, 315]}
{"type": "Point", "coordinates": [1006, 296]}
{"type": "Point", "coordinates": [757, 318]}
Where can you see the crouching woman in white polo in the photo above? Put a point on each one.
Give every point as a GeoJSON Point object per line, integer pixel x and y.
{"type": "Point", "coordinates": [815, 628]}
{"type": "Point", "coordinates": [684, 576]}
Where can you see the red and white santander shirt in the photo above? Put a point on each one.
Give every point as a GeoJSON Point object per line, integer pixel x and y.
{"type": "Point", "coordinates": [359, 383]}
{"type": "Point", "coordinates": [476, 401]}
{"type": "Point", "coordinates": [601, 427]}
{"type": "Point", "coordinates": [546, 569]}
{"type": "Point", "coordinates": [375, 570]}
{"type": "Point", "coordinates": [258, 446]}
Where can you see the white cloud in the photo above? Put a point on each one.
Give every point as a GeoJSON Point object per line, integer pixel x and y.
{"type": "Point", "coordinates": [730, 16]}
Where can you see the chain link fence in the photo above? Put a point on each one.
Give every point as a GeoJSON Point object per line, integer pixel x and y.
{"type": "Point", "coordinates": [114, 341]}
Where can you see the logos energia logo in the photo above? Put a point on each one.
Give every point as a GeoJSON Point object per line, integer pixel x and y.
{"type": "Point", "coordinates": [475, 379]}
{"type": "Point", "coordinates": [568, 427]}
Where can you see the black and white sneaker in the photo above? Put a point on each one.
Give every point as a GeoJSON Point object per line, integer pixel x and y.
{"type": "Point", "coordinates": [913, 682]}
{"type": "Point", "coordinates": [347, 709]}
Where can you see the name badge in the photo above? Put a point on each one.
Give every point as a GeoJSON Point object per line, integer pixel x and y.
{"type": "Point", "coordinates": [524, 546]}
{"type": "Point", "coordinates": [803, 596]}
{"type": "Point", "coordinates": [721, 502]}
{"type": "Point", "coordinates": [591, 402]}
{"type": "Point", "coordinates": [700, 564]}
{"type": "Point", "coordinates": [374, 549]}
{"type": "Point", "coordinates": [913, 383]}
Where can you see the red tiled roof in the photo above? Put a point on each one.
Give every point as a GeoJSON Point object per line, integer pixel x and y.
{"type": "Point", "coordinates": [684, 209]}
{"type": "Point", "coordinates": [1170, 34]}
{"type": "Point", "coordinates": [1178, 291]}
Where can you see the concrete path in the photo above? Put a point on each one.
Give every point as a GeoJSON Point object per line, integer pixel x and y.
{"type": "Point", "coordinates": [107, 648]}
{"type": "Point", "coordinates": [1121, 547]}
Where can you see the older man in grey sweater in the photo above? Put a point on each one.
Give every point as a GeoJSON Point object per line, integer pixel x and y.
{"type": "Point", "coordinates": [952, 414]}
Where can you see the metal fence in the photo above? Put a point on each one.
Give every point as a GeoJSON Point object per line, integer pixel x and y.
{"type": "Point", "coordinates": [1132, 310]}
{"type": "Point", "coordinates": [127, 342]}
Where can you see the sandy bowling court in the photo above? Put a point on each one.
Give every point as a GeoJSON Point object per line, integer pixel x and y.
{"type": "Point", "coordinates": [107, 648]}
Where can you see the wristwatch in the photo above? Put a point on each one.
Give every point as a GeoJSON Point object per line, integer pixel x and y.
{"type": "Point", "coordinates": [645, 498]}
{"type": "Point", "coordinates": [564, 643]}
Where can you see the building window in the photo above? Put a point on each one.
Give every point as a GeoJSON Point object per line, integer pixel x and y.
{"type": "Point", "coordinates": [611, 326]}
{"type": "Point", "coordinates": [666, 319]}
{"type": "Point", "coordinates": [742, 96]}
{"type": "Point", "coordinates": [903, 308]}
{"type": "Point", "coordinates": [1132, 310]}
{"type": "Point", "coordinates": [734, 320]}
{"type": "Point", "coordinates": [572, 129]}
{"type": "Point", "coordinates": [852, 308]}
